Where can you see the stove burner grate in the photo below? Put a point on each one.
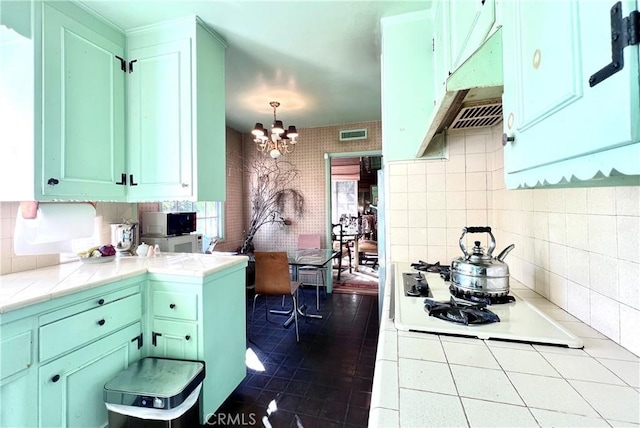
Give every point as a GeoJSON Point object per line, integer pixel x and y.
{"type": "Point", "coordinates": [443, 270]}
{"type": "Point", "coordinates": [460, 312]}
{"type": "Point", "coordinates": [481, 298]}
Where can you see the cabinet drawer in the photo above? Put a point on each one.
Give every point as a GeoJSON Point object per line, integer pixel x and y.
{"type": "Point", "coordinates": [68, 333]}
{"type": "Point", "coordinates": [182, 306]}
{"type": "Point", "coordinates": [100, 299]}
{"type": "Point", "coordinates": [16, 354]}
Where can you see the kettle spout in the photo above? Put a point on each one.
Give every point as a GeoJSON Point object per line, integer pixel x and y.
{"type": "Point", "coordinates": [504, 252]}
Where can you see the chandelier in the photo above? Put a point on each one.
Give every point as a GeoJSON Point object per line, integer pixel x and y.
{"type": "Point", "coordinates": [277, 142]}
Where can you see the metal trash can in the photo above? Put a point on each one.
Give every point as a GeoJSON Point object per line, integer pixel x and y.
{"type": "Point", "coordinates": [155, 392]}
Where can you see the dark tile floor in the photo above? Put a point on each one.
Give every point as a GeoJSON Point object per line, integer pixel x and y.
{"type": "Point", "coordinates": [323, 381]}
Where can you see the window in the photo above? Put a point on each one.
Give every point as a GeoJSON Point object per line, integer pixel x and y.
{"type": "Point", "coordinates": [208, 216]}
{"type": "Point", "coordinates": [344, 195]}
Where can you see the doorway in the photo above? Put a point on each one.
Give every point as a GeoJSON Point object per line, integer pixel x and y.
{"type": "Point", "coordinates": [352, 201]}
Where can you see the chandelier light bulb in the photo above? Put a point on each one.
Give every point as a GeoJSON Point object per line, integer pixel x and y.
{"type": "Point", "coordinates": [278, 128]}
{"type": "Point", "coordinates": [258, 130]}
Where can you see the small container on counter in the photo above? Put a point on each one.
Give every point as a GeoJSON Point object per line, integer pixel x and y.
{"type": "Point", "coordinates": [156, 250]}
{"type": "Point", "coordinates": [151, 252]}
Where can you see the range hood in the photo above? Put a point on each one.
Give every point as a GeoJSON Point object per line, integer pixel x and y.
{"type": "Point", "coordinates": [473, 94]}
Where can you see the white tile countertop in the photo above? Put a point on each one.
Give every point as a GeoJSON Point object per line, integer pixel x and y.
{"type": "Point", "coordinates": [425, 380]}
{"type": "Point", "coordinates": [21, 289]}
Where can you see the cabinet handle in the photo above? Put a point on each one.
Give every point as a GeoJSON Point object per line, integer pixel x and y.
{"type": "Point", "coordinates": [123, 180]}
{"type": "Point", "coordinates": [52, 181]}
{"type": "Point", "coordinates": [172, 305]}
{"type": "Point", "coordinates": [185, 185]}
{"type": "Point", "coordinates": [187, 337]}
{"type": "Point", "coordinates": [131, 183]}
{"type": "Point", "coordinates": [506, 139]}
{"type": "Point", "coordinates": [154, 338]}
{"type": "Point", "coordinates": [101, 302]}
{"type": "Point", "coordinates": [123, 63]}
{"type": "Point", "coordinates": [55, 378]}
{"type": "Point", "coordinates": [101, 322]}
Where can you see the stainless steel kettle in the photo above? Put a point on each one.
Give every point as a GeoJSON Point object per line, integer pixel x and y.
{"type": "Point", "coordinates": [478, 272]}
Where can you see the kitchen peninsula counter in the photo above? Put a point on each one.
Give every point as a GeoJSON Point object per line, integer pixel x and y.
{"type": "Point", "coordinates": [18, 290]}
{"type": "Point", "coordinates": [424, 379]}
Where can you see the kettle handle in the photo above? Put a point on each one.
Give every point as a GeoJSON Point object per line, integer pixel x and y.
{"type": "Point", "coordinates": [477, 229]}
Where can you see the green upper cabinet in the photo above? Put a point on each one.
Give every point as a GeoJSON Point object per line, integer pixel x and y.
{"type": "Point", "coordinates": [62, 104]}
{"type": "Point", "coordinates": [559, 128]}
{"type": "Point", "coordinates": [79, 123]}
{"type": "Point", "coordinates": [83, 94]}
{"type": "Point", "coordinates": [407, 83]}
{"type": "Point", "coordinates": [176, 123]}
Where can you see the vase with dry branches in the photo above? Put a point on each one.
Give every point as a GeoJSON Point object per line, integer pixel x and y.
{"type": "Point", "coordinates": [272, 196]}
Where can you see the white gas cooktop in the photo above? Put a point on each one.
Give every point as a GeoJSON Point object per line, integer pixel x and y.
{"type": "Point", "coordinates": [520, 321]}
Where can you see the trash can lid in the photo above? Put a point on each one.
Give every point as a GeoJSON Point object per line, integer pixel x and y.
{"type": "Point", "coordinates": [160, 383]}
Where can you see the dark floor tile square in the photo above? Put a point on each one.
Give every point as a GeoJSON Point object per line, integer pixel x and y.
{"type": "Point", "coordinates": [360, 399]}
{"type": "Point", "coordinates": [304, 375]}
{"type": "Point", "coordinates": [357, 416]}
{"type": "Point", "coordinates": [288, 402]}
{"type": "Point", "coordinates": [364, 371]}
{"type": "Point", "coordinates": [335, 410]}
{"type": "Point", "coordinates": [277, 384]}
{"type": "Point", "coordinates": [285, 372]}
{"type": "Point", "coordinates": [297, 387]}
{"type": "Point", "coordinates": [258, 381]}
{"type": "Point", "coordinates": [310, 406]}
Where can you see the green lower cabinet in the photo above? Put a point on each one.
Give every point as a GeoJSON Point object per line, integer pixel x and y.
{"type": "Point", "coordinates": [70, 387]}
{"type": "Point", "coordinates": [174, 339]}
{"type": "Point", "coordinates": [205, 320]}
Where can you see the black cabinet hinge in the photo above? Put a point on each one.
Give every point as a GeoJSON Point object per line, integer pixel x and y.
{"type": "Point", "coordinates": [123, 180]}
{"type": "Point", "coordinates": [131, 65]}
{"type": "Point", "coordinates": [123, 64]}
{"type": "Point", "coordinates": [624, 32]}
{"type": "Point", "coordinates": [139, 339]}
{"type": "Point", "coordinates": [154, 338]}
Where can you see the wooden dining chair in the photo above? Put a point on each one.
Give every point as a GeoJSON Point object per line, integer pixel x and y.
{"type": "Point", "coordinates": [273, 279]}
{"type": "Point", "coordinates": [341, 245]}
{"type": "Point", "coordinates": [312, 241]}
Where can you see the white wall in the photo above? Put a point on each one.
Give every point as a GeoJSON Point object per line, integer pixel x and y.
{"type": "Point", "coordinates": [579, 247]}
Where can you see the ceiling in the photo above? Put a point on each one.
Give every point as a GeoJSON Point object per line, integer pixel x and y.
{"type": "Point", "coordinates": [319, 59]}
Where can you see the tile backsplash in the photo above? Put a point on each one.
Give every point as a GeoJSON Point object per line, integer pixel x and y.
{"type": "Point", "coordinates": [106, 213]}
{"type": "Point", "coordinates": [578, 247]}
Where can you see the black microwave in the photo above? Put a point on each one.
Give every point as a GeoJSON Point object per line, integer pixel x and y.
{"type": "Point", "coordinates": [168, 224]}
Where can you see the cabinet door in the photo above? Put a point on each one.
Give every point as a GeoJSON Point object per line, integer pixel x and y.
{"type": "Point", "coordinates": [18, 376]}
{"type": "Point", "coordinates": [469, 24]}
{"type": "Point", "coordinates": [160, 130]}
{"type": "Point", "coordinates": [174, 339]}
{"type": "Point", "coordinates": [562, 127]}
{"type": "Point", "coordinates": [83, 126]}
{"type": "Point", "coordinates": [407, 84]}
{"type": "Point", "coordinates": [71, 387]}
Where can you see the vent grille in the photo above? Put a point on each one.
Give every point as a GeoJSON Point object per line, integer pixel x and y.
{"type": "Point", "coordinates": [353, 134]}
{"type": "Point", "coordinates": [478, 116]}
